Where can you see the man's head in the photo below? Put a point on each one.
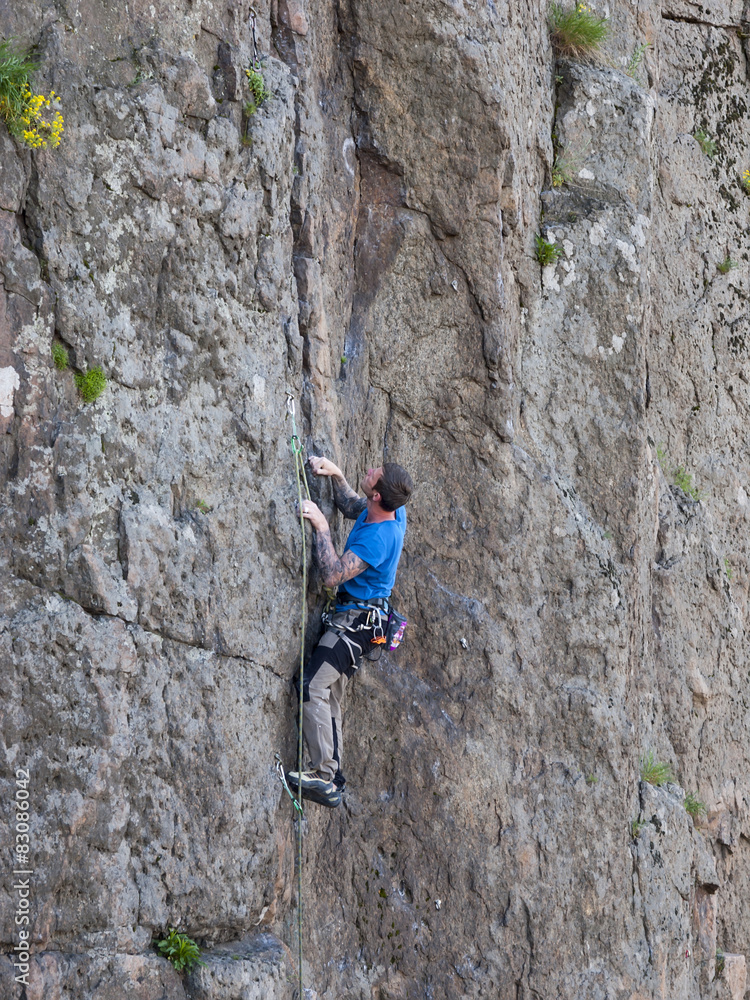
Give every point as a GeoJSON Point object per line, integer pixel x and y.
{"type": "Point", "coordinates": [390, 485]}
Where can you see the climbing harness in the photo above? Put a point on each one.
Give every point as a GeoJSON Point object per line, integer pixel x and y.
{"type": "Point", "coordinates": [387, 624]}
{"type": "Point", "coordinates": [299, 472]}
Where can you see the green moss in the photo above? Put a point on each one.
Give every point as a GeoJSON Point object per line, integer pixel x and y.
{"type": "Point", "coordinates": [91, 384]}
{"type": "Point", "coordinates": [59, 356]}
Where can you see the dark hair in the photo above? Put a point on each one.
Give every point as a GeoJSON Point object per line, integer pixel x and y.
{"type": "Point", "coordinates": [394, 486]}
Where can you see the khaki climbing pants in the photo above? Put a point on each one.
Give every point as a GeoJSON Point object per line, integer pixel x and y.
{"type": "Point", "coordinates": [334, 661]}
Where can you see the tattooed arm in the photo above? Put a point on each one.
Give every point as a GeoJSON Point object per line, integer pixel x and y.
{"type": "Point", "coordinates": [333, 570]}
{"type": "Point", "coordinates": [346, 499]}
{"type": "Point", "coordinates": [348, 502]}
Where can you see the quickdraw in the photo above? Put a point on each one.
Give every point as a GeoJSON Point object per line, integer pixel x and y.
{"type": "Point", "coordinates": [282, 778]}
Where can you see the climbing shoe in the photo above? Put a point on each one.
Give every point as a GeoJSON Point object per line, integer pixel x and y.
{"type": "Point", "coordinates": [314, 788]}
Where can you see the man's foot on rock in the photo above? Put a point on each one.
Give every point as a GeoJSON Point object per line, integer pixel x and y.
{"type": "Point", "coordinates": [315, 787]}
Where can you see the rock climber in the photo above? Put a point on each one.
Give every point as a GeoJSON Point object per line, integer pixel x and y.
{"type": "Point", "coordinates": [368, 568]}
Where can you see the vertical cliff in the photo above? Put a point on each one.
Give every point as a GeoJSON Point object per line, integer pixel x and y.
{"type": "Point", "coordinates": [365, 241]}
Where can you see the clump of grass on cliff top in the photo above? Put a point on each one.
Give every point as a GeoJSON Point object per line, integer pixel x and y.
{"type": "Point", "coordinates": [91, 384]}
{"type": "Point", "coordinates": [655, 772]}
{"type": "Point", "coordinates": [576, 31]}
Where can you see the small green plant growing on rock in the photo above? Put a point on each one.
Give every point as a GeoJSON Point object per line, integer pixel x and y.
{"type": "Point", "coordinates": [59, 356]}
{"type": "Point", "coordinates": [636, 825]}
{"type": "Point", "coordinates": [678, 475]}
{"type": "Point", "coordinates": [746, 182]}
{"type": "Point", "coordinates": [684, 480]}
{"type": "Point", "coordinates": [727, 265]}
{"type": "Point", "coordinates": [567, 161]}
{"type": "Point", "coordinates": [655, 772]}
{"type": "Point", "coordinates": [203, 507]}
{"type": "Point", "coordinates": [546, 252]}
{"type": "Point", "coordinates": [636, 59]}
{"type": "Point", "coordinates": [258, 91]}
{"type": "Point", "coordinates": [91, 384]}
{"type": "Point", "coordinates": [720, 963]}
{"type": "Point", "coordinates": [706, 144]}
{"type": "Point", "coordinates": [576, 31]}
{"type": "Point", "coordinates": [693, 806]}
{"type": "Point", "coordinates": [180, 950]}
{"type": "Point", "coordinates": [728, 568]}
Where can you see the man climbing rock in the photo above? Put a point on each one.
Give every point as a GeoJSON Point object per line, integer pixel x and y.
{"type": "Point", "coordinates": [367, 568]}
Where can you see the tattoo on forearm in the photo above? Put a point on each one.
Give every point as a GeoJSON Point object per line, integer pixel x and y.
{"type": "Point", "coordinates": [334, 570]}
{"type": "Point", "coordinates": [348, 502]}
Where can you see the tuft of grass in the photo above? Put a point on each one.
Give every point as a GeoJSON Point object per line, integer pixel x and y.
{"type": "Point", "coordinates": [694, 806]}
{"type": "Point", "coordinates": [60, 356]}
{"type": "Point", "coordinates": [655, 772]}
{"type": "Point", "coordinates": [678, 475]}
{"type": "Point", "coordinates": [727, 265]}
{"type": "Point", "coordinates": [567, 161]}
{"type": "Point", "coordinates": [180, 950]}
{"type": "Point", "coordinates": [719, 970]}
{"type": "Point", "coordinates": [35, 120]}
{"type": "Point", "coordinates": [546, 253]}
{"type": "Point", "coordinates": [728, 568]}
{"type": "Point", "coordinates": [636, 825]}
{"type": "Point", "coordinates": [16, 67]}
{"type": "Point", "coordinates": [636, 60]}
{"type": "Point", "coordinates": [91, 384]}
{"type": "Point", "coordinates": [706, 144]}
{"type": "Point", "coordinates": [576, 31]}
{"type": "Point", "coordinates": [203, 507]}
{"type": "Point", "coordinates": [591, 779]}
{"type": "Point", "coordinates": [684, 480]}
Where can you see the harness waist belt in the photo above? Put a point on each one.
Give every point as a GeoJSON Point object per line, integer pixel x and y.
{"type": "Point", "coordinates": [344, 597]}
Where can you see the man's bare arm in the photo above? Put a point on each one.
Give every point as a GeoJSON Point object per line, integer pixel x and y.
{"type": "Point", "coordinates": [336, 571]}
{"type": "Point", "coordinates": [347, 500]}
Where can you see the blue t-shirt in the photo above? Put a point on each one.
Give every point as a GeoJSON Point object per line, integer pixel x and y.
{"type": "Point", "coordinates": [379, 545]}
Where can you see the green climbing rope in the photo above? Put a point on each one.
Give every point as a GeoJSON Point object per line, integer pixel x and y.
{"type": "Point", "coordinates": [299, 472]}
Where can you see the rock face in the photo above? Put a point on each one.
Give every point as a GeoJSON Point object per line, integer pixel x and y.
{"type": "Point", "coordinates": [365, 242]}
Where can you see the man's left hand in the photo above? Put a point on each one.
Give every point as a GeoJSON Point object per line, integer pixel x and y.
{"type": "Point", "coordinates": [314, 515]}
